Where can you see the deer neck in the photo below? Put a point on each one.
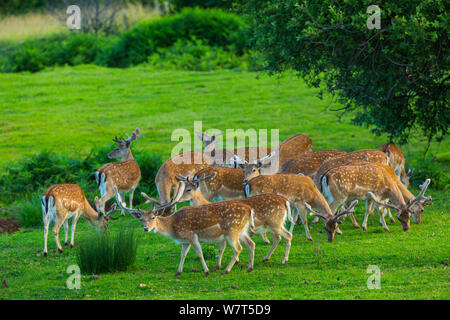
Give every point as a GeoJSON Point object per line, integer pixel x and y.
{"type": "Point", "coordinates": [128, 155]}
{"type": "Point", "coordinates": [198, 198]}
{"type": "Point", "coordinates": [90, 213]}
{"type": "Point", "coordinates": [163, 226]}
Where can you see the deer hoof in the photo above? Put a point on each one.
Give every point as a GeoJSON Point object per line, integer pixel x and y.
{"type": "Point", "coordinates": [249, 269]}
{"type": "Point", "coordinates": [60, 250]}
{"type": "Point", "coordinates": [310, 239]}
{"type": "Point", "coordinates": [66, 243]}
{"type": "Point", "coordinates": [177, 274]}
{"type": "Point", "coordinates": [206, 273]}
{"type": "Point", "coordinates": [45, 254]}
{"type": "Point", "coordinates": [265, 259]}
{"type": "Point", "coordinates": [357, 226]}
{"type": "Point", "coordinates": [364, 228]}
{"type": "Point", "coordinates": [216, 268]}
{"type": "Point", "coordinates": [225, 272]}
{"type": "Point", "coordinates": [71, 246]}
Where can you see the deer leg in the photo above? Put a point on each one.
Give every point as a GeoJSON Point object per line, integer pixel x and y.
{"type": "Point", "coordinates": [56, 228]}
{"type": "Point", "coordinates": [198, 250]}
{"type": "Point", "coordinates": [108, 195]}
{"type": "Point", "coordinates": [122, 196]}
{"type": "Point", "coordinates": [288, 238]}
{"type": "Point", "coordinates": [222, 247]}
{"type": "Point", "coordinates": [131, 197]}
{"type": "Point", "coordinates": [276, 240]}
{"type": "Point", "coordinates": [382, 213]}
{"type": "Point", "coordinates": [294, 218]}
{"type": "Point", "coordinates": [46, 223]}
{"type": "Point", "coordinates": [66, 227]}
{"type": "Point", "coordinates": [304, 221]}
{"type": "Point", "coordinates": [184, 251]}
{"type": "Point", "coordinates": [74, 225]}
{"type": "Point", "coordinates": [391, 218]}
{"type": "Point", "coordinates": [369, 210]}
{"type": "Point", "coordinates": [264, 237]}
{"type": "Point", "coordinates": [237, 248]}
{"type": "Point", "coordinates": [250, 245]}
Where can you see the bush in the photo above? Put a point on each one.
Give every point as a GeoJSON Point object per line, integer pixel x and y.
{"type": "Point", "coordinates": [28, 210]}
{"type": "Point", "coordinates": [430, 168]}
{"type": "Point", "coordinates": [106, 252]}
{"type": "Point", "coordinates": [197, 56]}
{"type": "Point", "coordinates": [214, 27]}
{"type": "Point", "coordinates": [23, 179]}
{"type": "Point", "coordinates": [394, 79]}
{"type": "Point", "coordinates": [60, 49]}
{"type": "Point", "coordinates": [224, 4]}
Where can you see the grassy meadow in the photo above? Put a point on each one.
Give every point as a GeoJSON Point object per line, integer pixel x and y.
{"type": "Point", "coordinates": [74, 110]}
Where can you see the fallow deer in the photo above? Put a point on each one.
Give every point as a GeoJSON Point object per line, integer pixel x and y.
{"type": "Point", "coordinates": [225, 221]}
{"type": "Point", "coordinates": [363, 179]}
{"type": "Point", "coordinates": [124, 175]}
{"type": "Point", "coordinates": [309, 162]}
{"type": "Point", "coordinates": [299, 190]}
{"type": "Point", "coordinates": [61, 202]}
{"type": "Point", "coordinates": [397, 162]}
{"type": "Point", "coordinates": [270, 210]}
{"type": "Point", "coordinates": [293, 147]}
{"type": "Point", "coordinates": [182, 164]}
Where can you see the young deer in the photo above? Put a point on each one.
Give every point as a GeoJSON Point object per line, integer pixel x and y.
{"type": "Point", "coordinates": [361, 180]}
{"type": "Point", "coordinates": [309, 162]}
{"type": "Point", "coordinates": [225, 221]}
{"type": "Point", "coordinates": [124, 175]}
{"type": "Point", "coordinates": [397, 162]}
{"type": "Point", "coordinates": [299, 190]}
{"type": "Point", "coordinates": [61, 202]}
{"type": "Point", "coordinates": [270, 210]}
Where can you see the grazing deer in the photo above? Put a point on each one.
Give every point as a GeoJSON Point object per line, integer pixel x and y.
{"type": "Point", "coordinates": [124, 175]}
{"type": "Point", "coordinates": [309, 162]}
{"type": "Point", "coordinates": [397, 162]}
{"type": "Point", "coordinates": [182, 164]}
{"type": "Point", "coordinates": [225, 221]}
{"type": "Point", "coordinates": [360, 180]}
{"type": "Point", "coordinates": [270, 210]}
{"type": "Point", "coordinates": [61, 202]}
{"type": "Point", "coordinates": [299, 190]}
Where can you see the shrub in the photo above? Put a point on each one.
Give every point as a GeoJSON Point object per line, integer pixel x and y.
{"type": "Point", "coordinates": [107, 252]}
{"type": "Point", "coordinates": [214, 27]}
{"type": "Point", "coordinates": [28, 210]}
{"type": "Point", "coordinates": [224, 4]}
{"type": "Point", "coordinates": [197, 56]}
{"type": "Point", "coordinates": [430, 168]}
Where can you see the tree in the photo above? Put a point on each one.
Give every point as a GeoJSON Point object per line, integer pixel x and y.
{"type": "Point", "coordinates": [395, 78]}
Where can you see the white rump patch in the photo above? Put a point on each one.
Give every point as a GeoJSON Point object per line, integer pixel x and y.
{"type": "Point", "coordinates": [326, 190]}
{"type": "Point", "coordinates": [102, 186]}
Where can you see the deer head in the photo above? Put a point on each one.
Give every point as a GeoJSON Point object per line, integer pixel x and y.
{"type": "Point", "coordinates": [210, 141]}
{"type": "Point", "coordinates": [102, 221]}
{"type": "Point", "coordinates": [123, 149]}
{"type": "Point", "coordinates": [252, 170]}
{"type": "Point", "coordinates": [414, 206]}
{"type": "Point", "coordinates": [331, 221]}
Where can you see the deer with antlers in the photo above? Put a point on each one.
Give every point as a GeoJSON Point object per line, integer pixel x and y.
{"type": "Point", "coordinates": [124, 175]}
{"type": "Point", "coordinates": [61, 202]}
{"type": "Point", "coordinates": [298, 189]}
{"type": "Point", "coordinates": [225, 221]}
{"type": "Point", "coordinates": [373, 181]}
{"type": "Point", "coordinates": [270, 210]}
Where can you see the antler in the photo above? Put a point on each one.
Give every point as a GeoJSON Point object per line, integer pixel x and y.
{"type": "Point", "coordinates": [343, 211]}
{"type": "Point", "coordinates": [133, 212]}
{"type": "Point", "coordinates": [315, 213]}
{"type": "Point", "coordinates": [128, 140]}
{"type": "Point", "coordinates": [421, 197]}
{"type": "Point", "coordinates": [111, 210]}
{"type": "Point", "coordinates": [197, 179]}
{"type": "Point", "coordinates": [382, 204]}
{"type": "Point", "coordinates": [410, 173]}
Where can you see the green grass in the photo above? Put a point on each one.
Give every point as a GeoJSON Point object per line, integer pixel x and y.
{"type": "Point", "coordinates": [74, 110]}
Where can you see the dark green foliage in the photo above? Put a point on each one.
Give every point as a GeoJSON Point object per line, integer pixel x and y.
{"type": "Point", "coordinates": [395, 79]}
{"type": "Point", "coordinates": [29, 178]}
{"type": "Point", "coordinates": [107, 252]}
{"type": "Point", "coordinates": [20, 6]}
{"type": "Point", "coordinates": [28, 210]}
{"type": "Point", "coordinates": [60, 49]}
{"type": "Point", "coordinates": [430, 168]}
{"type": "Point", "coordinates": [224, 4]}
{"type": "Point", "coordinates": [214, 27]}
{"type": "Point", "coordinates": [195, 55]}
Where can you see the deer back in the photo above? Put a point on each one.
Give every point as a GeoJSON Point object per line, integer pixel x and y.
{"type": "Point", "coordinates": [294, 146]}
{"type": "Point", "coordinates": [69, 197]}
{"type": "Point", "coordinates": [226, 183]}
{"type": "Point", "coordinates": [267, 207]}
{"type": "Point", "coordinates": [309, 162]}
{"type": "Point", "coordinates": [123, 174]}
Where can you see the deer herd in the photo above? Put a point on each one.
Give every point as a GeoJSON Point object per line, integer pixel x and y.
{"type": "Point", "coordinates": [256, 192]}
